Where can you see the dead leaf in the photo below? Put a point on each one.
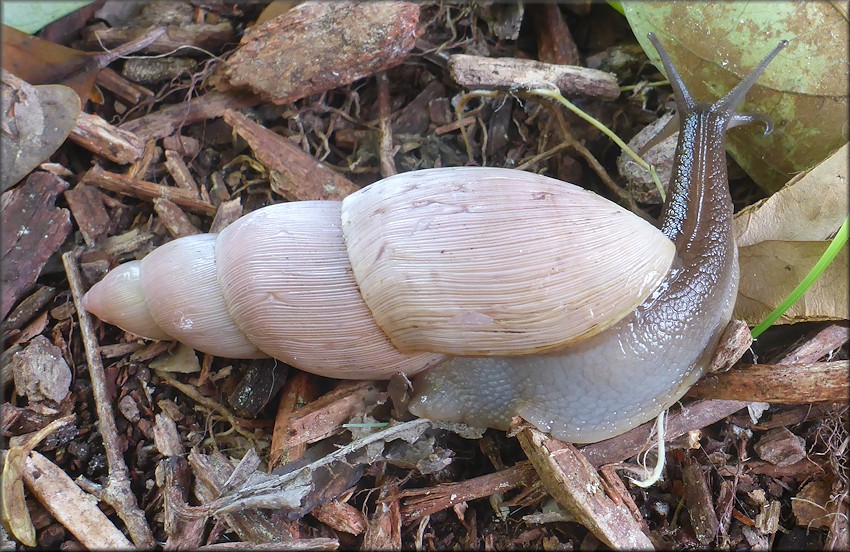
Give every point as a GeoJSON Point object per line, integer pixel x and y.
{"type": "Point", "coordinates": [770, 270]}
{"type": "Point", "coordinates": [181, 360]}
{"type": "Point", "coordinates": [13, 507]}
{"type": "Point", "coordinates": [810, 207]}
{"type": "Point", "coordinates": [36, 121]}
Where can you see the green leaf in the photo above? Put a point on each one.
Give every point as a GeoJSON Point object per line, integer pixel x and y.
{"type": "Point", "coordinates": [30, 17]}
{"type": "Point", "coordinates": [715, 44]}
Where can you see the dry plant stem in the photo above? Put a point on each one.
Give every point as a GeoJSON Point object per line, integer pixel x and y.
{"type": "Point", "coordinates": [117, 492]}
{"type": "Point", "coordinates": [147, 38]}
{"type": "Point", "coordinates": [99, 137]}
{"type": "Point", "coordinates": [317, 544]}
{"type": "Point", "coordinates": [385, 147]}
{"type": "Point", "coordinates": [149, 191]}
{"type": "Point", "coordinates": [172, 37]}
{"type": "Point", "coordinates": [576, 485]}
{"type": "Point", "coordinates": [165, 122]}
{"type": "Point", "coordinates": [418, 503]}
{"type": "Point", "coordinates": [191, 392]}
{"type": "Point", "coordinates": [779, 384]}
{"type": "Point", "coordinates": [519, 74]}
{"type": "Point", "coordinates": [130, 92]}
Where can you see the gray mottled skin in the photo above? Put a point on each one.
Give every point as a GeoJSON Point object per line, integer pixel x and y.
{"type": "Point", "coordinates": [628, 374]}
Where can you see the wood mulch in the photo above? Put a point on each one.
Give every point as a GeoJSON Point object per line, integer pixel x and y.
{"type": "Point", "coordinates": [193, 451]}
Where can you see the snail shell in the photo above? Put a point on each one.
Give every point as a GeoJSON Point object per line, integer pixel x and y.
{"type": "Point", "coordinates": [461, 261]}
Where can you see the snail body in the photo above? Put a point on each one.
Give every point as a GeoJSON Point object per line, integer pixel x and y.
{"type": "Point", "coordinates": [554, 303]}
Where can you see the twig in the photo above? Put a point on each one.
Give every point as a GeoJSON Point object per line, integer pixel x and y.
{"type": "Point", "coordinates": [117, 492]}
{"type": "Point", "coordinates": [385, 146]}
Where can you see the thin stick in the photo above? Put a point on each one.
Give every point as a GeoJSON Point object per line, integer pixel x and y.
{"type": "Point", "coordinates": [117, 492]}
{"type": "Point", "coordinates": [385, 146]}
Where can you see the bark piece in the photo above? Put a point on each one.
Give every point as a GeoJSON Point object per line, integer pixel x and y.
{"type": "Point", "coordinates": [298, 391]}
{"type": "Point", "coordinates": [693, 416]}
{"type": "Point", "coordinates": [211, 474]}
{"type": "Point", "coordinates": [228, 212]}
{"type": "Point", "coordinates": [259, 384]}
{"type": "Point", "coordinates": [512, 73]}
{"type": "Point", "coordinates": [295, 174]}
{"type": "Point", "coordinates": [41, 372]}
{"type": "Point", "coordinates": [318, 46]}
{"type": "Point", "coordinates": [383, 530]}
{"type": "Point", "coordinates": [33, 229]}
{"type": "Point", "coordinates": [180, 172]}
{"type": "Point", "coordinates": [323, 417]}
{"type": "Point", "coordinates": [698, 500]}
{"type": "Point", "coordinates": [89, 213]}
{"type": "Point", "coordinates": [110, 142]}
{"type": "Point", "coordinates": [780, 384]}
{"type": "Point", "coordinates": [781, 447]}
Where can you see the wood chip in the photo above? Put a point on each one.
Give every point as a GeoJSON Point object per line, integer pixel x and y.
{"type": "Point", "coordinates": [89, 213]}
{"type": "Point", "coordinates": [574, 483]}
{"type": "Point", "coordinates": [41, 372]}
{"type": "Point", "coordinates": [99, 137]}
{"type": "Point", "coordinates": [780, 447]}
{"type": "Point", "coordinates": [295, 175]}
{"type": "Point", "coordinates": [323, 417]}
{"type": "Point", "coordinates": [33, 229]}
{"type": "Point", "coordinates": [318, 46]}
{"type": "Point", "coordinates": [29, 308]}
{"type": "Point", "coordinates": [174, 219]}
{"type": "Point", "coordinates": [698, 501]}
{"type": "Point", "coordinates": [340, 516]}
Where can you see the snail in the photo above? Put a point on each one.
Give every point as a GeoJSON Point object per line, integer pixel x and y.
{"type": "Point", "coordinates": [507, 293]}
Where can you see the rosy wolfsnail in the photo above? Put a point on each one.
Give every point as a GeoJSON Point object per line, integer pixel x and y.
{"type": "Point", "coordinates": [554, 303]}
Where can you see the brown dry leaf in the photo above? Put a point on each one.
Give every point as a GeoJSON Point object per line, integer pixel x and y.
{"type": "Point", "coordinates": [13, 508]}
{"type": "Point", "coordinates": [278, 7]}
{"type": "Point", "coordinates": [714, 44]}
{"type": "Point", "coordinates": [782, 237]}
{"type": "Point", "coordinates": [770, 270]}
{"type": "Point", "coordinates": [40, 61]}
{"type": "Point", "coordinates": [811, 206]}
{"type": "Point", "coordinates": [810, 506]}
{"type": "Point", "coordinates": [36, 121]}
{"type": "Point", "coordinates": [181, 360]}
